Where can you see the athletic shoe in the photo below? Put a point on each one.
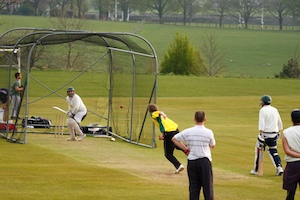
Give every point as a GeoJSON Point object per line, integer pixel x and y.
{"type": "Point", "coordinates": [71, 139]}
{"type": "Point", "coordinates": [179, 169]}
{"type": "Point", "coordinates": [253, 172]}
{"type": "Point", "coordinates": [81, 137]}
{"type": "Point", "coordinates": [279, 171]}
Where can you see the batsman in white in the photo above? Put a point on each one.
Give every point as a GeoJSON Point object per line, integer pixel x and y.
{"type": "Point", "coordinates": [269, 126]}
{"type": "Point", "coordinates": [76, 113]}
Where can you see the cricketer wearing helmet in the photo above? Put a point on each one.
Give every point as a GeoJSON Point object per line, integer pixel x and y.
{"type": "Point", "coordinates": [77, 112]}
{"type": "Point", "coordinates": [269, 126]}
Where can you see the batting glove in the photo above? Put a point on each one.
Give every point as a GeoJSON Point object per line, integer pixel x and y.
{"type": "Point", "coordinates": [69, 114]}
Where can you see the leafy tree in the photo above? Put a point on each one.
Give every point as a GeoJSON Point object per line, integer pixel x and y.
{"type": "Point", "coordinates": [181, 58]}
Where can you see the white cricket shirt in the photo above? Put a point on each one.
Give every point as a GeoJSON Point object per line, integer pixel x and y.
{"type": "Point", "coordinates": [269, 120]}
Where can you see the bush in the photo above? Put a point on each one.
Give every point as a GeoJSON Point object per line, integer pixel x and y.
{"type": "Point", "coordinates": [290, 70]}
{"type": "Point", "coordinates": [181, 58]}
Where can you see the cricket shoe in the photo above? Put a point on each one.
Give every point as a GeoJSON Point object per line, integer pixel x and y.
{"type": "Point", "coordinates": [179, 169]}
{"type": "Point", "coordinates": [71, 139]}
{"type": "Point", "coordinates": [279, 171]}
{"type": "Point", "coordinates": [253, 172]}
{"type": "Point", "coordinates": [82, 137]}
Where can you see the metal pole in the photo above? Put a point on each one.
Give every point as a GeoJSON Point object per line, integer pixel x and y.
{"type": "Point", "coordinates": [116, 10]}
{"type": "Point", "coordinates": [262, 16]}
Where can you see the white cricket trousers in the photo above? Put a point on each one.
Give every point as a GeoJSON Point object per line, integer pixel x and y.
{"type": "Point", "coordinates": [73, 127]}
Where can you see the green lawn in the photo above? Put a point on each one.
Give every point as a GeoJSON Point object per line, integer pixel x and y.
{"type": "Point", "coordinates": [49, 167]}
{"type": "Point", "coordinates": [249, 53]}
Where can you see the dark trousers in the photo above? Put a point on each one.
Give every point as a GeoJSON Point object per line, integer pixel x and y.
{"type": "Point", "coordinates": [200, 175]}
{"type": "Point", "coordinates": [291, 178]}
{"type": "Point", "coordinates": [169, 147]}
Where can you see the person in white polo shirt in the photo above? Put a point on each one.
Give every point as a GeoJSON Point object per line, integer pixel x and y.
{"type": "Point", "coordinates": [197, 143]}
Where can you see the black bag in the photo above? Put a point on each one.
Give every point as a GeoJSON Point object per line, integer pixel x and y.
{"type": "Point", "coordinates": [37, 123]}
{"type": "Point", "coordinates": [93, 130]}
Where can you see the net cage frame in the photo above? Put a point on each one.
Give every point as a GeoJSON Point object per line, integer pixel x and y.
{"type": "Point", "coordinates": [41, 36]}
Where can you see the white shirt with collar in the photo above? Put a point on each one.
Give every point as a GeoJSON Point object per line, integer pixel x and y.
{"type": "Point", "coordinates": [269, 121]}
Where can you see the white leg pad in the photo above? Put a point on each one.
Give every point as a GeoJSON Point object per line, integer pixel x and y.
{"type": "Point", "coordinates": [73, 127]}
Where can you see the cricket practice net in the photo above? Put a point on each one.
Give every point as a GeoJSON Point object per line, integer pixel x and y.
{"type": "Point", "coordinates": [121, 66]}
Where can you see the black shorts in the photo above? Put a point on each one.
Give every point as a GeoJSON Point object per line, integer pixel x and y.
{"type": "Point", "coordinates": [3, 95]}
{"type": "Point", "coordinates": [291, 176]}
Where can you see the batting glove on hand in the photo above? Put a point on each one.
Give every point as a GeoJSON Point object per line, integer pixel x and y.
{"type": "Point", "coordinates": [187, 151]}
{"type": "Point", "coordinates": [69, 114]}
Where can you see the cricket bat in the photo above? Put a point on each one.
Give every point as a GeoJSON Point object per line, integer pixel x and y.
{"type": "Point", "coordinates": [260, 169]}
{"type": "Point", "coordinates": [59, 109]}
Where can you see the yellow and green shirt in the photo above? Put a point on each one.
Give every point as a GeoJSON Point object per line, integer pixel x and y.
{"type": "Point", "coordinates": [164, 124]}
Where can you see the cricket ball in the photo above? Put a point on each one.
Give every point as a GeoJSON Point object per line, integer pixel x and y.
{"type": "Point", "coordinates": [112, 139]}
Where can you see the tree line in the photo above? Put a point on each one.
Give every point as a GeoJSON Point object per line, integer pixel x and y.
{"type": "Point", "coordinates": [242, 10]}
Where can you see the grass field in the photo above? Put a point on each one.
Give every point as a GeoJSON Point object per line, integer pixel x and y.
{"type": "Point", "coordinates": [249, 53]}
{"type": "Point", "coordinates": [96, 168]}
{"type": "Point", "coordinates": [49, 167]}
